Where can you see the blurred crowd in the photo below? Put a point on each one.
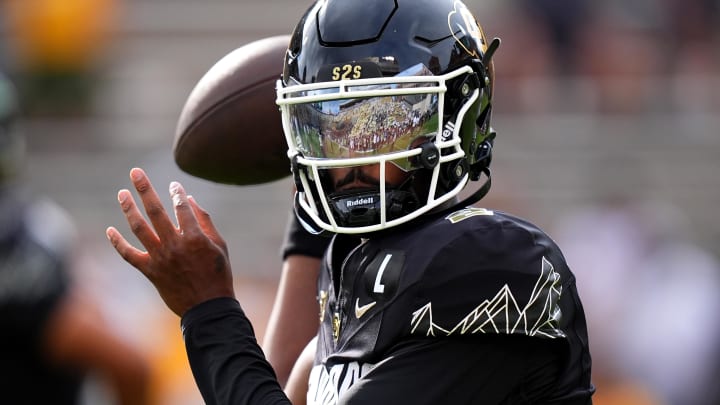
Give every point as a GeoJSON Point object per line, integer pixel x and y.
{"type": "Point", "coordinates": [612, 56]}
{"type": "Point", "coordinates": [651, 292]}
{"type": "Point", "coordinates": [625, 49]}
{"type": "Point", "coordinates": [651, 299]}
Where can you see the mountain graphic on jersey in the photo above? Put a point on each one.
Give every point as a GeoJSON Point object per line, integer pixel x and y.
{"type": "Point", "coordinates": [502, 314]}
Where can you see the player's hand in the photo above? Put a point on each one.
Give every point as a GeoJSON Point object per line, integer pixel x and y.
{"type": "Point", "coordinates": [188, 264]}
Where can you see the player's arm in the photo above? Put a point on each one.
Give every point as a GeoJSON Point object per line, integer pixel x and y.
{"type": "Point", "coordinates": [228, 365]}
{"type": "Point", "coordinates": [297, 384]}
{"type": "Point", "coordinates": [294, 319]}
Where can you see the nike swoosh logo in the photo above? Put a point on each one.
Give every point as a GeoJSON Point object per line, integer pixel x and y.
{"type": "Point", "coordinates": [361, 310]}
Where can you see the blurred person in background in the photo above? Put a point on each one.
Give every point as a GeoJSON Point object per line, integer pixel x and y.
{"type": "Point", "coordinates": [53, 337]}
{"type": "Point", "coordinates": [692, 32]}
{"type": "Point", "coordinates": [651, 299]}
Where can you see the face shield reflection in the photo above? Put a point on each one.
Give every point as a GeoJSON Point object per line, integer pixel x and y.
{"type": "Point", "coordinates": [365, 127]}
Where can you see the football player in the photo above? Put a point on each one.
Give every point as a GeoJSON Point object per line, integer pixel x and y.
{"type": "Point", "coordinates": [54, 338]}
{"type": "Point", "coordinates": [422, 297]}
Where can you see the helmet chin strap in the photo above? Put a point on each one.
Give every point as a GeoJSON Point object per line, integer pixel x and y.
{"type": "Point", "coordinates": [479, 193]}
{"type": "Point", "coordinates": [357, 207]}
{"type": "Point", "coordinates": [362, 207]}
{"type": "Point", "coordinates": [305, 220]}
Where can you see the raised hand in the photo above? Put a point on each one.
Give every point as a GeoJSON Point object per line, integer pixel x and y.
{"type": "Point", "coordinates": [188, 263]}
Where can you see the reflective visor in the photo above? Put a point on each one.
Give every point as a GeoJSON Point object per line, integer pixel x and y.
{"type": "Point", "coordinates": [403, 117]}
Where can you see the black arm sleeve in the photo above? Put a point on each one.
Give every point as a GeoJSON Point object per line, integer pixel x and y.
{"type": "Point", "coordinates": [298, 241]}
{"type": "Point", "coordinates": [228, 365]}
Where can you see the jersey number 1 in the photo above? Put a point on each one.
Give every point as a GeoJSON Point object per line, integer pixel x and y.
{"type": "Point", "coordinates": [379, 287]}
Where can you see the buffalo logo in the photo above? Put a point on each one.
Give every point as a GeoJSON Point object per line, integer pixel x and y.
{"type": "Point", "coordinates": [468, 28]}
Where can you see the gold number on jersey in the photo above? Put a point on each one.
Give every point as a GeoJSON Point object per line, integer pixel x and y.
{"type": "Point", "coordinates": [466, 213]}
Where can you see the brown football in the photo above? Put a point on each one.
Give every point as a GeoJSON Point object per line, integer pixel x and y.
{"type": "Point", "coordinates": [230, 129]}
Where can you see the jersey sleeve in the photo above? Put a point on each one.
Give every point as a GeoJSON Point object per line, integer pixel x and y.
{"type": "Point", "coordinates": [298, 241]}
{"type": "Point", "coordinates": [500, 280]}
{"type": "Point", "coordinates": [227, 363]}
{"type": "Point", "coordinates": [505, 278]}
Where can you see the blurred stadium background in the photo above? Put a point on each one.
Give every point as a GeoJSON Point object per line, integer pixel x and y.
{"type": "Point", "coordinates": [608, 115]}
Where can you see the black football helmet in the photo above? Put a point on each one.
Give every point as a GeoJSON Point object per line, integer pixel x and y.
{"type": "Point", "coordinates": [376, 81]}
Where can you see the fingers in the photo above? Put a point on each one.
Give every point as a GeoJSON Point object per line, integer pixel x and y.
{"type": "Point", "coordinates": [153, 206]}
{"type": "Point", "coordinates": [183, 211]}
{"type": "Point", "coordinates": [179, 260]}
{"type": "Point", "coordinates": [138, 224]}
{"type": "Point", "coordinates": [135, 257]}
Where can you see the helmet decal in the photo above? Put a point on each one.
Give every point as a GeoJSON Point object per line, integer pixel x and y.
{"type": "Point", "coordinates": [469, 28]}
{"type": "Point", "coordinates": [348, 71]}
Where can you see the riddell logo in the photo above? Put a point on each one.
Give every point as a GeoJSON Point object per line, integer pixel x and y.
{"type": "Point", "coordinates": [360, 201]}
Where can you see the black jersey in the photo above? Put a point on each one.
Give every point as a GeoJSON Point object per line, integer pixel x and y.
{"type": "Point", "coordinates": [470, 307]}
{"type": "Point", "coordinates": [471, 278]}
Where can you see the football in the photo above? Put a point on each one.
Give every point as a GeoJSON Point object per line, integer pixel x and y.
{"type": "Point", "coordinates": [230, 129]}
